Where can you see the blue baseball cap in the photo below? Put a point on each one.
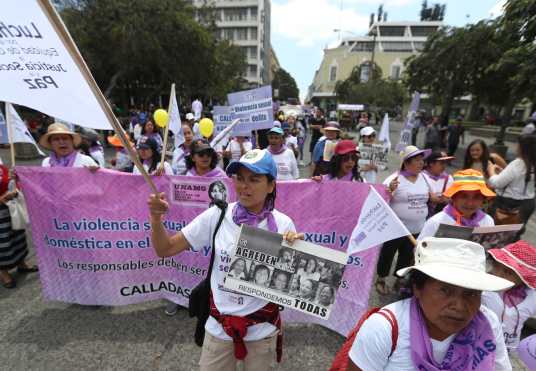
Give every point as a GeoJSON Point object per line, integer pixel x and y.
{"type": "Point", "coordinates": [276, 130]}
{"type": "Point", "coordinates": [259, 161]}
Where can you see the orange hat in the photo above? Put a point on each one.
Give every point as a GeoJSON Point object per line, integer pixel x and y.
{"type": "Point", "coordinates": [468, 180]}
{"type": "Point", "coordinates": [115, 141]}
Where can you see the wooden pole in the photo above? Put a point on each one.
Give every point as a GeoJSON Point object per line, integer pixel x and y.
{"type": "Point", "coordinates": [10, 134]}
{"type": "Point", "coordinates": [166, 132]}
{"type": "Point", "coordinates": [70, 45]}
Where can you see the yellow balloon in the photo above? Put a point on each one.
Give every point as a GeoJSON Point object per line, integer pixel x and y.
{"type": "Point", "coordinates": [161, 117]}
{"type": "Point", "coordinates": [206, 127]}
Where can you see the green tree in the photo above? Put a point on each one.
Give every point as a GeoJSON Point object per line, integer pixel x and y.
{"type": "Point", "coordinates": [286, 85]}
{"type": "Point", "coordinates": [138, 47]}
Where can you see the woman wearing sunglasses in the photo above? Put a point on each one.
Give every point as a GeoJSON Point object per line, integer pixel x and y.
{"type": "Point", "coordinates": [203, 161]}
{"type": "Point", "coordinates": [343, 164]}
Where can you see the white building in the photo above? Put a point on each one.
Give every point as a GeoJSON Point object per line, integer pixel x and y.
{"type": "Point", "coordinates": [247, 24]}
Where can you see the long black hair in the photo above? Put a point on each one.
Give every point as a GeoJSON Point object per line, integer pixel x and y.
{"type": "Point", "coordinates": [527, 146]}
{"type": "Point", "coordinates": [193, 149]}
{"type": "Point", "coordinates": [335, 166]}
{"type": "Point", "coordinates": [156, 129]}
{"type": "Point", "coordinates": [485, 159]}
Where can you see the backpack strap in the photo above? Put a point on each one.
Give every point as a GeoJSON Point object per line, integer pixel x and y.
{"type": "Point", "coordinates": [222, 205]}
{"type": "Point", "coordinates": [390, 317]}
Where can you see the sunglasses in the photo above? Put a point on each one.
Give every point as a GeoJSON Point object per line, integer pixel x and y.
{"type": "Point", "coordinates": [368, 136]}
{"type": "Point", "coordinates": [350, 156]}
{"type": "Point", "coordinates": [205, 153]}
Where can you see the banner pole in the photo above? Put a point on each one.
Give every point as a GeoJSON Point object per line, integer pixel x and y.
{"type": "Point", "coordinates": [166, 132]}
{"type": "Point", "coordinates": [413, 240]}
{"type": "Point", "coordinates": [10, 134]}
{"type": "Point", "coordinates": [70, 45]}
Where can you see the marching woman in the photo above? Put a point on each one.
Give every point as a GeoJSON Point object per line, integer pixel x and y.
{"type": "Point", "coordinates": [178, 162]}
{"type": "Point", "coordinates": [369, 171]}
{"type": "Point", "coordinates": [287, 167]}
{"type": "Point", "coordinates": [517, 263]}
{"type": "Point", "coordinates": [442, 325]}
{"type": "Point", "coordinates": [515, 183]}
{"type": "Point", "coordinates": [150, 130]}
{"type": "Point", "coordinates": [409, 200]}
{"type": "Point", "coordinates": [343, 164]}
{"type": "Point", "coordinates": [203, 160]}
{"type": "Point", "coordinates": [150, 156]}
{"type": "Point", "coordinates": [62, 142]}
{"type": "Point", "coordinates": [237, 147]}
{"type": "Point", "coordinates": [478, 157]}
{"type": "Point", "coordinates": [13, 248]}
{"type": "Point", "coordinates": [438, 180]}
{"type": "Point", "coordinates": [467, 195]}
{"type": "Point", "coordinates": [240, 327]}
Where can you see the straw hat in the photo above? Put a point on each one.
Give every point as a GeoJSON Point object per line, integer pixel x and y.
{"type": "Point", "coordinates": [412, 151]}
{"type": "Point", "coordinates": [57, 129]}
{"type": "Point", "coordinates": [332, 125]}
{"type": "Point", "coordinates": [519, 257]}
{"type": "Point", "coordinates": [458, 262]}
{"type": "Point", "coordinates": [468, 180]}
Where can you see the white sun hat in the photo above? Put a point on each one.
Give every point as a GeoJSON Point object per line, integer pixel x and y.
{"type": "Point", "coordinates": [367, 130]}
{"type": "Point", "coordinates": [458, 262]}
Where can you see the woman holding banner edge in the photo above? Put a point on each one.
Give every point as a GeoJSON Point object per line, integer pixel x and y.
{"type": "Point", "coordinates": [231, 313]}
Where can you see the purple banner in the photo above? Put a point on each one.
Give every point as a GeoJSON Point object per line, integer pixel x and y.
{"type": "Point", "coordinates": [92, 236]}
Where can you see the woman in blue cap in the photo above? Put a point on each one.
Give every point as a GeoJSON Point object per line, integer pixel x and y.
{"type": "Point", "coordinates": [287, 167]}
{"type": "Point", "coordinates": [240, 327]}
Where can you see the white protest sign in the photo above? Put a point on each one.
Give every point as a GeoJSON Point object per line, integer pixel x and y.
{"type": "Point", "coordinates": [4, 139]}
{"type": "Point", "coordinates": [384, 136]}
{"type": "Point", "coordinates": [197, 107]}
{"type": "Point", "coordinates": [175, 125]}
{"type": "Point", "coordinates": [254, 108]}
{"type": "Point", "coordinates": [377, 224]}
{"type": "Point", "coordinates": [405, 134]}
{"type": "Point", "coordinates": [38, 71]}
{"type": "Point", "coordinates": [19, 130]}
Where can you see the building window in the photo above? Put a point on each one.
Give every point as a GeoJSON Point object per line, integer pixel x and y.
{"type": "Point", "coordinates": [392, 30]}
{"type": "Point", "coordinates": [253, 34]}
{"type": "Point", "coordinates": [419, 46]}
{"type": "Point", "coordinates": [228, 34]}
{"type": "Point", "coordinates": [397, 46]}
{"type": "Point", "coordinates": [252, 70]}
{"type": "Point", "coordinates": [395, 72]}
{"type": "Point", "coordinates": [363, 46]}
{"type": "Point", "coordinates": [365, 72]}
{"type": "Point", "coordinates": [252, 52]}
{"type": "Point", "coordinates": [235, 14]}
{"type": "Point", "coordinates": [423, 30]}
{"type": "Point", "coordinates": [253, 13]}
{"type": "Point", "coordinates": [241, 33]}
{"type": "Point", "coordinates": [333, 73]}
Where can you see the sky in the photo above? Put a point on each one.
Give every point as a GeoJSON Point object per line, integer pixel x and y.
{"type": "Point", "coordinates": [301, 29]}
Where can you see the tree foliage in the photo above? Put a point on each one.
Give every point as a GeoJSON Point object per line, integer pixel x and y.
{"type": "Point", "coordinates": [139, 47]}
{"type": "Point", "coordinates": [286, 85]}
{"type": "Point", "coordinates": [381, 94]}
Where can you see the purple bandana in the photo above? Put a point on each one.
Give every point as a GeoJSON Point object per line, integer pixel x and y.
{"type": "Point", "coordinates": [474, 221]}
{"type": "Point", "coordinates": [281, 149]}
{"type": "Point", "coordinates": [443, 175]}
{"type": "Point", "coordinates": [66, 161]}
{"type": "Point", "coordinates": [242, 216]}
{"type": "Point", "coordinates": [407, 173]}
{"type": "Point", "coordinates": [216, 172]}
{"type": "Point", "coordinates": [473, 348]}
{"type": "Point", "coordinates": [514, 296]}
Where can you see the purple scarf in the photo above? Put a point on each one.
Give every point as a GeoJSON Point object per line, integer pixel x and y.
{"type": "Point", "coordinates": [282, 149]}
{"type": "Point", "coordinates": [347, 177]}
{"type": "Point", "coordinates": [66, 161]}
{"type": "Point", "coordinates": [407, 173]}
{"type": "Point", "coordinates": [474, 221]}
{"type": "Point", "coordinates": [443, 175]}
{"type": "Point", "coordinates": [514, 296]}
{"type": "Point", "coordinates": [473, 348]}
{"type": "Point", "coordinates": [216, 172]}
{"type": "Point", "coordinates": [242, 216]}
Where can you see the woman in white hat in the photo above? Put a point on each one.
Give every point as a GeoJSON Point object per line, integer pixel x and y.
{"type": "Point", "coordinates": [63, 143]}
{"type": "Point", "coordinates": [409, 200]}
{"type": "Point", "coordinates": [367, 168]}
{"type": "Point", "coordinates": [325, 147]}
{"type": "Point", "coordinates": [442, 326]}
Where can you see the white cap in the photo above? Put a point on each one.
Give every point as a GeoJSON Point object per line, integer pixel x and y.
{"type": "Point", "coordinates": [190, 116]}
{"type": "Point", "coordinates": [458, 262]}
{"type": "Point", "coordinates": [367, 130]}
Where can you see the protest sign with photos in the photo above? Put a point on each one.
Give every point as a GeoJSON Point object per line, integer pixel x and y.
{"type": "Point", "coordinates": [490, 237]}
{"type": "Point", "coordinates": [302, 276]}
{"type": "Point", "coordinates": [375, 154]}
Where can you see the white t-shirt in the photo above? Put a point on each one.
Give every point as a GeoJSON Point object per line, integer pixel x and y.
{"type": "Point", "coordinates": [370, 175]}
{"type": "Point", "coordinates": [372, 345]}
{"type": "Point", "coordinates": [511, 181]}
{"type": "Point", "coordinates": [199, 234]}
{"type": "Point", "coordinates": [98, 156]}
{"type": "Point", "coordinates": [437, 187]}
{"type": "Point", "coordinates": [512, 319]}
{"type": "Point", "coordinates": [236, 152]}
{"type": "Point", "coordinates": [167, 169]}
{"type": "Point", "coordinates": [291, 141]}
{"type": "Point", "coordinates": [80, 161]}
{"type": "Point", "coordinates": [409, 201]}
{"type": "Point", "coordinates": [431, 226]}
{"type": "Point", "coordinates": [287, 167]}
{"type": "Point", "coordinates": [178, 161]}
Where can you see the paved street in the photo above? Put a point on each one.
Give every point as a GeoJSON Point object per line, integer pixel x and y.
{"type": "Point", "coordinates": [38, 335]}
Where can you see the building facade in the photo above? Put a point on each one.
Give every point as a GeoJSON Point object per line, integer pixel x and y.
{"type": "Point", "coordinates": [387, 44]}
{"type": "Point", "coordinates": [246, 23]}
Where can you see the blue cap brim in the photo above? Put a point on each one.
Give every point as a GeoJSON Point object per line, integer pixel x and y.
{"type": "Point", "coordinates": [233, 167]}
